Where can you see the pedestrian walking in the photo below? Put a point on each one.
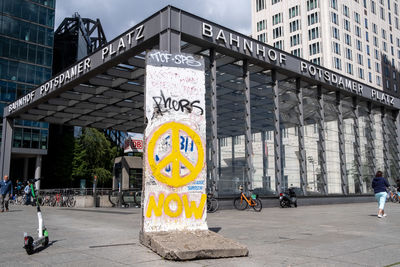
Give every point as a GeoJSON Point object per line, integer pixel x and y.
{"type": "Point", "coordinates": [6, 191]}
{"type": "Point", "coordinates": [28, 192]}
{"type": "Point", "coordinates": [380, 185]}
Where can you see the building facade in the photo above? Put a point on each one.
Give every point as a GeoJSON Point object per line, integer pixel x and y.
{"type": "Point", "coordinates": [26, 51]}
{"type": "Point", "coordinates": [357, 38]}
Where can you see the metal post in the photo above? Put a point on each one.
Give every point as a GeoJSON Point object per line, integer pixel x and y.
{"type": "Point", "coordinates": [321, 139]}
{"type": "Point", "coordinates": [396, 118]}
{"type": "Point", "coordinates": [385, 147]}
{"type": "Point", "coordinates": [370, 140]}
{"type": "Point", "coordinates": [248, 136]}
{"type": "Point", "coordinates": [356, 144]}
{"type": "Point", "coordinates": [6, 143]}
{"type": "Point", "coordinates": [342, 153]}
{"type": "Point", "coordinates": [214, 129]}
{"type": "Point", "coordinates": [219, 158]}
{"type": "Point", "coordinates": [277, 134]}
{"type": "Point", "coordinates": [300, 134]}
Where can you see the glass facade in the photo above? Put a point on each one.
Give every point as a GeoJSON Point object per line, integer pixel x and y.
{"type": "Point", "coordinates": [26, 53]}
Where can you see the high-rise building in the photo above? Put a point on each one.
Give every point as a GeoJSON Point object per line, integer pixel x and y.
{"type": "Point", "coordinates": [26, 53]}
{"type": "Point", "coordinates": [357, 38]}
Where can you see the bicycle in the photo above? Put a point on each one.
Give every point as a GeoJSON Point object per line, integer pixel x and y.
{"type": "Point", "coordinates": [243, 202]}
{"type": "Point", "coordinates": [212, 203]}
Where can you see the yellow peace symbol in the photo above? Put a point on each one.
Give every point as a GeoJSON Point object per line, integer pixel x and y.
{"type": "Point", "coordinates": [175, 157]}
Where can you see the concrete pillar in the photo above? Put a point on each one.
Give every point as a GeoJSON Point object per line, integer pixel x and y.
{"type": "Point", "coordinates": [277, 134]}
{"type": "Point", "coordinates": [342, 154]}
{"type": "Point", "coordinates": [321, 139]}
{"type": "Point", "coordinates": [357, 152]}
{"type": "Point", "coordinates": [385, 140]}
{"type": "Point", "coordinates": [38, 170]}
{"type": "Point", "coordinates": [6, 144]}
{"type": "Point", "coordinates": [300, 135]}
{"type": "Point", "coordinates": [371, 140]}
{"type": "Point", "coordinates": [214, 122]}
{"type": "Point", "coordinates": [248, 137]}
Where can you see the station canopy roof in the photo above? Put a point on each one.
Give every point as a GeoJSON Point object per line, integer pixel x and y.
{"type": "Point", "coordinates": [106, 89]}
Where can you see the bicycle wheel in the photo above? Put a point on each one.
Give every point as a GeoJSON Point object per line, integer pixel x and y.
{"type": "Point", "coordinates": [214, 204]}
{"type": "Point", "coordinates": [257, 205]}
{"type": "Point", "coordinates": [240, 203]}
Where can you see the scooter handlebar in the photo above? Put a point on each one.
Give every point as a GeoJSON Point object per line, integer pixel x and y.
{"type": "Point", "coordinates": [34, 180]}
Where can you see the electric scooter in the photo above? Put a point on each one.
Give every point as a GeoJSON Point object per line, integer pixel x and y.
{"type": "Point", "coordinates": [43, 236]}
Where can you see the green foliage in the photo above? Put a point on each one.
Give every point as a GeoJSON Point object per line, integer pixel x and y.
{"type": "Point", "coordinates": [93, 155]}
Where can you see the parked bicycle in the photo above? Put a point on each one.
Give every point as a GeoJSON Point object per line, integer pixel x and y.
{"type": "Point", "coordinates": [212, 202]}
{"type": "Point", "coordinates": [251, 200]}
{"type": "Point", "coordinates": [392, 194]}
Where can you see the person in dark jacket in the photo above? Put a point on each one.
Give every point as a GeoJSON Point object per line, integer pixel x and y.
{"type": "Point", "coordinates": [6, 191]}
{"type": "Point", "coordinates": [380, 185]}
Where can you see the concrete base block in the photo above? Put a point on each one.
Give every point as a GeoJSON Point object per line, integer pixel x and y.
{"type": "Point", "coordinates": [190, 245]}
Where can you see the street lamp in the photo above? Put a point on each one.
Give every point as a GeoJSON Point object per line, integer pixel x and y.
{"type": "Point", "coordinates": [311, 160]}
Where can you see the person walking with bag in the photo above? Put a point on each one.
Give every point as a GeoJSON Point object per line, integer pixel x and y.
{"type": "Point", "coordinates": [380, 185]}
{"type": "Point", "coordinates": [6, 191]}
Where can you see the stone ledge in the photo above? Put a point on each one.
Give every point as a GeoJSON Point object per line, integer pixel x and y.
{"type": "Point", "coordinates": [190, 245]}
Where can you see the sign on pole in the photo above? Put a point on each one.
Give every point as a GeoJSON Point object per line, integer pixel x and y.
{"type": "Point", "coordinates": [174, 156]}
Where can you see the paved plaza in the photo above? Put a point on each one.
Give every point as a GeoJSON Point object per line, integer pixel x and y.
{"type": "Point", "coordinates": [330, 235]}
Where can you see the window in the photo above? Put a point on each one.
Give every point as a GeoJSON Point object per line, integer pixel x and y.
{"type": "Point", "coordinates": [370, 77]}
{"type": "Point", "coordinates": [366, 36]}
{"type": "Point", "coordinates": [346, 25]}
{"type": "Point", "coordinates": [384, 46]}
{"type": "Point", "coordinates": [378, 80]}
{"type": "Point", "coordinates": [277, 32]}
{"type": "Point", "coordinates": [348, 54]}
{"type": "Point", "coordinates": [365, 3]}
{"type": "Point", "coordinates": [376, 41]}
{"type": "Point", "coordinates": [374, 28]}
{"type": "Point", "coordinates": [297, 52]}
{"type": "Point", "coordinates": [357, 17]}
{"type": "Point", "coordinates": [366, 23]}
{"type": "Point", "coordinates": [293, 12]}
{"type": "Point", "coordinates": [275, 1]}
{"type": "Point", "coordinates": [314, 48]}
{"type": "Point", "coordinates": [336, 48]}
{"type": "Point", "coordinates": [135, 178]}
{"type": "Point", "coordinates": [312, 4]}
{"type": "Point", "coordinates": [373, 7]}
{"type": "Point", "coordinates": [369, 64]}
{"type": "Point", "coordinates": [357, 31]}
{"type": "Point", "coordinates": [359, 45]}
{"type": "Point", "coordinates": [294, 25]}
{"type": "Point", "coordinates": [334, 4]}
{"type": "Point", "coordinates": [347, 39]}
{"type": "Point", "coordinates": [277, 18]}
{"type": "Point", "coordinates": [337, 63]}
{"type": "Point", "coordinates": [279, 44]}
{"type": "Point", "coordinates": [396, 8]}
{"type": "Point", "coordinates": [376, 54]}
{"type": "Point", "coordinates": [313, 18]}
{"type": "Point", "coordinates": [313, 33]}
{"type": "Point", "coordinates": [335, 33]}
{"type": "Point", "coordinates": [377, 67]}
{"type": "Point", "coordinates": [368, 52]}
{"type": "Point", "coordinates": [262, 37]}
{"type": "Point", "coordinates": [359, 59]}
{"type": "Point", "coordinates": [346, 11]}
{"type": "Point", "coordinates": [383, 34]}
{"type": "Point", "coordinates": [316, 60]}
{"type": "Point", "coordinates": [295, 40]}
{"type": "Point", "coordinates": [261, 25]}
{"type": "Point", "coordinates": [349, 68]}
{"type": "Point", "coordinates": [396, 21]}
{"type": "Point", "coordinates": [260, 5]}
{"type": "Point", "coordinates": [382, 13]}
{"type": "Point", "coordinates": [335, 18]}
{"type": "Point", "coordinates": [360, 73]}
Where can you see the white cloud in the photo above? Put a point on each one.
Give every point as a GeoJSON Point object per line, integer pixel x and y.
{"type": "Point", "coordinates": [119, 15]}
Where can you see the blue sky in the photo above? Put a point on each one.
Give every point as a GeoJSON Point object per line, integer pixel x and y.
{"type": "Point", "coordinates": [116, 16]}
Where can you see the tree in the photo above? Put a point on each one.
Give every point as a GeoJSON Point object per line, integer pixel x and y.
{"type": "Point", "coordinates": [93, 155]}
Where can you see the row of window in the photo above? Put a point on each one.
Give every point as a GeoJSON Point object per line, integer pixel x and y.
{"type": "Point", "coordinates": [30, 138]}
{"type": "Point", "coordinates": [10, 91]}
{"type": "Point", "coordinates": [261, 25]}
{"type": "Point", "coordinates": [23, 51]}
{"type": "Point", "coordinates": [22, 72]}
{"type": "Point", "coordinates": [26, 31]}
{"type": "Point", "coordinates": [29, 11]}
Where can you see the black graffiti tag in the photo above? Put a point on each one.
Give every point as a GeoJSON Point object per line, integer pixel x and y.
{"type": "Point", "coordinates": [164, 104]}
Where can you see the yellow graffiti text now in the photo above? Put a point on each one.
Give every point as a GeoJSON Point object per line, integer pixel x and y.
{"type": "Point", "coordinates": [183, 202]}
